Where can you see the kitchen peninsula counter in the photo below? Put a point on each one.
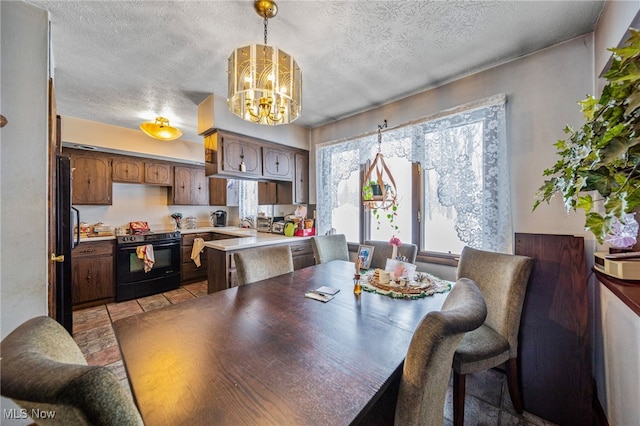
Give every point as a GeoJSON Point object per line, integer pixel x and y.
{"type": "Point", "coordinates": [221, 266]}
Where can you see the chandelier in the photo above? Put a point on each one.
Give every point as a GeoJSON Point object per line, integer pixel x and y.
{"type": "Point", "coordinates": [378, 187]}
{"type": "Point", "coordinates": [160, 129]}
{"type": "Point", "coordinates": [265, 83]}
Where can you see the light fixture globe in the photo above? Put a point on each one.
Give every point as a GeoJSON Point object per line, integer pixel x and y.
{"type": "Point", "coordinates": [265, 83]}
{"type": "Point", "coordinates": [160, 129]}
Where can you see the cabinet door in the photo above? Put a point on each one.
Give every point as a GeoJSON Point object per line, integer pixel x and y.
{"type": "Point", "coordinates": [301, 183]}
{"type": "Point", "coordinates": [277, 163]}
{"type": "Point", "coordinates": [91, 180]}
{"type": "Point", "coordinates": [157, 174]}
{"type": "Point", "coordinates": [217, 192]}
{"type": "Point", "coordinates": [92, 279]}
{"type": "Point", "coordinates": [241, 157]}
{"type": "Point", "coordinates": [200, 188]}
{"type": "Point", "coordinates": [267, 193]}
{"type": "Point", "coordinates": [127, 170]}
{"type": "Point", "coordinates": [182, 186]}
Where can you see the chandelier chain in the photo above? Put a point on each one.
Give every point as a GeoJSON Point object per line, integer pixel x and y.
{"type": "Point", "coordinates": [266, 21]}
{"type": "Point", "coordinates": [380, 127]}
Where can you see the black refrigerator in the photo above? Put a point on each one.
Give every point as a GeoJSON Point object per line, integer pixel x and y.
{"type": "Point", "coordinates": [66, 240]}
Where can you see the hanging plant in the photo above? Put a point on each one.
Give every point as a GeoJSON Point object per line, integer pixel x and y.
{"type": "Point", "coordinates": [599, 163]}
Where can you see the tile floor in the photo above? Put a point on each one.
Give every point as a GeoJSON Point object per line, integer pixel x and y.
{"type": "Point", "coordinates": [487, 401]}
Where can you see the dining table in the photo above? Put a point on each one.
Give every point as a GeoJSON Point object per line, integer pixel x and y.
{"type": "Point", "coordinates": [263, 353]}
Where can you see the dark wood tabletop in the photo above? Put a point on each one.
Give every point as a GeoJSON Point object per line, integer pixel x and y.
{"type": "Point", "coordinates": [264, 354]}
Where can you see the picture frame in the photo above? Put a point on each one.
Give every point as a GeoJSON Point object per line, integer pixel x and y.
{"type": "Point", "coordinates": [366, 254]}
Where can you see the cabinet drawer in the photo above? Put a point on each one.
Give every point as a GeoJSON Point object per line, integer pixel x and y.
{"type": "Point", "coordinates": [95, 248]}
{"type": "Point", "coordinates": [187, 239]}
{"type": "Point", "coordinates": [301, 248]}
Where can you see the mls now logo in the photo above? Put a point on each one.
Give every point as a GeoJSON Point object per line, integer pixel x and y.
{"type": "Point", "coordinates": [36, 413]}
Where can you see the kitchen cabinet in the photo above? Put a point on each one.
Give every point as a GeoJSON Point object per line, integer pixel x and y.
{"type": "Point", "coordinates": [302, 254]}
{"type": "Point", "coordinates": [223, 192]}
{"type": "Point", "coordinates": [232, 155]}
{"type": "Point", "coordinates": [91, 183]}
{"type": "Point", "coordinates": [127, 170]}
{"type": "Point", "coordinates": [274, 193]}
{"type": "Point", "coordinates": [189, 271]}
{"type": "Point", "coordinates": [190, 187]}
{"type": "Point", "coordinates": [277, 163]}
{"type": "Point", "coordinates": [93, 274]}
{"type": "Point", "coordinates": [301, 180]}
{"type": "Point", "coordinates": [158, 173]}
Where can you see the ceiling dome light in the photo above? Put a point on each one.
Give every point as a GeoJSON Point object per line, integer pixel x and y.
{"type": "Point", "coordinates": [160, 129]}
{"type": "Point", "coordinates": [265, 83]}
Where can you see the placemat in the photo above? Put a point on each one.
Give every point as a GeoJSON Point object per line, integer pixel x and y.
{"type": "Point", "coordinates": [412, 291]}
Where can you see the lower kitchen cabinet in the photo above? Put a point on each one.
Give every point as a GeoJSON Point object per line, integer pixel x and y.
{"type": "Point", "coordinates": [93, 274]}
{"type": "Point", "coordinates": [302, 254]}
{"type": "Point", "coordinates": [189, 271]}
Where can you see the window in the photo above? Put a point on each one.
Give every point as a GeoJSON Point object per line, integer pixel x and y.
{"type": "Point", "coordinates": [462, 187]}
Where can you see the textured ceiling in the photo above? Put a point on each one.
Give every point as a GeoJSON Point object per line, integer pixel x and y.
{"type": "Point", "coordinates": [124, 62]}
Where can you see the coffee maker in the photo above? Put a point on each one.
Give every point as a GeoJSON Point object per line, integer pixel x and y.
{"type": "Point", "coordinates": [219, 218]}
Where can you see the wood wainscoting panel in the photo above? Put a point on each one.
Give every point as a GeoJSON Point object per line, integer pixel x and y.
{"type": "Point", "coordinates": [555, 337]}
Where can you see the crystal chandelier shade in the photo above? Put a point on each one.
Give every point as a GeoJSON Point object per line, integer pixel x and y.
{"type": "Point", "coordinates": [265, 83]}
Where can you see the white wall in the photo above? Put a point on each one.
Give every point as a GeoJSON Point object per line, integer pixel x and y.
{"type": "Point", "coordinates": [23, 163]}
{"type": "Point", "coordinates": [542, 90]}
{"type": "Point", "coordinates": [23, 151]}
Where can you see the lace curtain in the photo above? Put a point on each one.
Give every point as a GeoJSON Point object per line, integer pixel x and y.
{"type": "Point", "coordinates": [444, 144]}
{"type": "Point", "coordinates": [247, 199]}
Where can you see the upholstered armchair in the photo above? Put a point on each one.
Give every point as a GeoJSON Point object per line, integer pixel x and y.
{"type": "Point", "coordinates": [502, 279]}
{"type": "Point", "coordinates": [262, 263]}
{"type": "Point", "coordinates": [330, 247]}
{"type": "Point", "coordinates": [43, 369]}
{"type": "Point", "coordinates": [427, 367]}
{"type": "Point", "coordinates": [382, 251]}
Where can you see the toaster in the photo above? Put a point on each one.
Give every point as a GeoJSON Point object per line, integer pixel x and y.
{"type": "Point", "coordinates": [277, 227]}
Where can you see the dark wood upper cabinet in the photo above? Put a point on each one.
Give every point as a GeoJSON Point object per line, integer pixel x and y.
{"type": "Point", "coordinates": [127, 170]}
{"type": "Point", "coordinates": [91, 183]}
{"type": "Point", "coordinates": [158, 173]}
{"type": "Point", "coordinates": [190, 187]}
{"type": "Point", "coordinates": [301, 180]}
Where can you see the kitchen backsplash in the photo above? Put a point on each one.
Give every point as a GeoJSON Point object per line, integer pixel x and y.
{"type": "Point", "coordinates": [134, 202]}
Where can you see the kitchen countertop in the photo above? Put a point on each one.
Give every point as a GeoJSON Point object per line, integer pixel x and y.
{"type": "Point", "coordinates": [260, 239]}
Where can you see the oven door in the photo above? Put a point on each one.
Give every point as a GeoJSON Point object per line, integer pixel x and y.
{"type": "Point", "coordinates": [129, 268]}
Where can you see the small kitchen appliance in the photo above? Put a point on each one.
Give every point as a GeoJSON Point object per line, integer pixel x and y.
{"type": "Point", "coordinates": [263, 223]}
{"type": "Point", "coordinates": [219, 218]}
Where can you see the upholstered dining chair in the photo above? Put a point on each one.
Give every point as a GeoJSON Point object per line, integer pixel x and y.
{"type": "Point", "coordinates": [262, 263]}
{"type": "Point", "coordinates": [427, 366]}
{"type": "Point", "coordinates": [502, 279]}
{"type": "Point", "coordinates": [382, 251]}
{"type": "Point", "coordinates": [43, 369]}
{"type": "Point", "coordinates": [330, 247]}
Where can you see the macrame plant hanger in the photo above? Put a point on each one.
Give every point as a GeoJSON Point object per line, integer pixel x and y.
{"type": "Point", "coordinates": [379, 173]}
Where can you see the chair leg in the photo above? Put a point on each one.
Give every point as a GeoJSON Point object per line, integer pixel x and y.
{"type": "Point", "coordinates": [458, 398]}
{"type": "Point", "coordinates": [514, 386]}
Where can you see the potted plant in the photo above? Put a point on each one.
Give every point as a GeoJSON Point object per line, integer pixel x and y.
{"type": "Point", "coordinates": [371, 191]}
{"type": "Point", "coordinates": [599, 164]}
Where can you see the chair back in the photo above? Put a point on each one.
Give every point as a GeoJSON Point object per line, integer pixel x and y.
{"type": "Point", "coordinates": [382, 251]}
{"type": "Point", "coordinates": [427, 367]}
{"type": "Point", "coordinates": [42, 368]}
{"type": "Point", "coordinates": [262, 263]}
{"type": "Point", "coordinates": [330, 247]}
{"type": "Point", "coordinates": [502, 279]}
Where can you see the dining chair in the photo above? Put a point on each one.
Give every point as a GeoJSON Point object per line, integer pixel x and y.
{"type": "Point", "coordinates": [382, 251]}
{"type": "Point", "coordinates": [502, 279]}
{"type": "Point", "coordinates": [330, 247]}
{"type": "Point", "coordinates": [427, 366]}
{"type": "Point", "coordinates": [42, 368]}
{"type": "Point", "coordinates": [262, 263]}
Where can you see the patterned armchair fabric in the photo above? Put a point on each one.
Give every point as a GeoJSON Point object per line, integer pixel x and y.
{"type": "Point", "coordinates": [330, 247]}
{"type": "Point", "coordinates": [382, 251]}
{"type": "Point", "coordinates": [427, 367]}
{"type": "Point", "coordinates": [43, 369]}
{"type": "Point", "coordinates": [262, 263]}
